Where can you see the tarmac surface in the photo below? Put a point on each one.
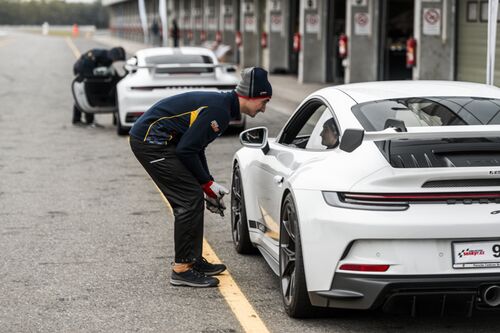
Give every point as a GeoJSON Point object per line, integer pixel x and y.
{"type": "Point", "coordinates": [86, 241]}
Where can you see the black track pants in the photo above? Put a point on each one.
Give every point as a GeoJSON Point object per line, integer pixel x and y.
{"type": "Point", "coordinates": [183, 192]}
{"type": "Point", "coordinates": [77, 116]}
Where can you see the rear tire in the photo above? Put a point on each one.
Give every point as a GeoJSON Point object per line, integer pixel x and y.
{"type": "Point", "coordinates": [121, 130]}
{"type": "Point", "coordinates": [292, 275]}
{"type": "Point", "coordinates": [239, 222]}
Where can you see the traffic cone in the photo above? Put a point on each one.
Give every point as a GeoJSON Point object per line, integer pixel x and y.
{"type": "Point", "coordinates": [75, 31]}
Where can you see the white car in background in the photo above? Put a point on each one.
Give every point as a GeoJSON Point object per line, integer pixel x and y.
{"type": "Point", "coordinates": [157, 73]}
{"type": "Point", "coordinates": [404, 214]}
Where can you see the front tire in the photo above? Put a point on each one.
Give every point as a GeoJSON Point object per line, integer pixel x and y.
{"type": "Point", "coordinates": [292, 275]}
{"type": "Point", "coordinates": [239, 222]}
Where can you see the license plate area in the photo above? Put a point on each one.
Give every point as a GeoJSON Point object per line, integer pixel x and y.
{"type": "Point", "coordinates": [477, 254]}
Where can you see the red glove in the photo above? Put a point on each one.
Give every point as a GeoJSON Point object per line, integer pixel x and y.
{"type": "Point", "coordinates": [214, 190]}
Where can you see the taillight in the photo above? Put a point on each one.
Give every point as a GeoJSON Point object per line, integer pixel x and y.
{"type": "Point", "coordinates": [131, 117]}
{"type": "Point", "coordinates": [364, 267]}
{"type": "Point", "coordinates": [401, 201]}
{"type": "Point", "coordinates": [420, 196]}
{"type": "Point", "coordinates": [337, 199]}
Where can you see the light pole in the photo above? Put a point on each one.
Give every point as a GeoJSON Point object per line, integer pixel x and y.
{"type": "Point", "coordinates": [144, 20]}
{"type": "Point", "coordinates": [492, 40]}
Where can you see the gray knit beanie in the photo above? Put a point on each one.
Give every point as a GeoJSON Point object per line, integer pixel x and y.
{"type": "Point", "coordinates": [254, 83]}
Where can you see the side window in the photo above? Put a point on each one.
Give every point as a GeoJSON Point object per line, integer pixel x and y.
{"type": "Point", "coordinates": [299, 130]}
{"type": "Point", "coordinates": [325, 134]}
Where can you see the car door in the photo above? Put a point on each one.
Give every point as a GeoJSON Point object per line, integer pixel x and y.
{"type": "Point", "coordinates": [288, 153]}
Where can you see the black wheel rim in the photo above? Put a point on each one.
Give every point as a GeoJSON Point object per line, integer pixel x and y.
{"type": "Point", "coordinates": [236, 207]}
{"type": "Point", "coordinates": [287, 252]}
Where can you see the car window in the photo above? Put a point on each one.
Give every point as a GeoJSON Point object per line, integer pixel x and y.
{"type": "Point", "coordinates": [325, 133]}
{"type": "Point", "coordinates": [301, 127]}
{"type": "Point", "coordinates": [180, 59]}
{"type": "Point", "coordinates": [431, 111]}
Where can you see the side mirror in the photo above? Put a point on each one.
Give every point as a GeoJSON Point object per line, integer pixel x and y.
{"type": "Point", "coordinates": [351, 139]}
{"type": "Point", "coordinates": [255, 138]}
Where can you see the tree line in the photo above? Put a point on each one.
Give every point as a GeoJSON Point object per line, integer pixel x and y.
{"type": "Point", "coordinates": [54, 12]}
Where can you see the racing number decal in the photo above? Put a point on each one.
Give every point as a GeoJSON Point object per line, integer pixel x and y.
{"type": "Point", "coordinates": [496, 250]}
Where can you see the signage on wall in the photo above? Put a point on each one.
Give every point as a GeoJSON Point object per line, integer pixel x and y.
{"type": "Point", "coordinates": [212, 23]}
{"type": "Point", "coordinates": [312, 23]}
{"type": "Point", "coordinates": [198, 23]}
{"type": "Point", "coordinates": [431, 19]}
{"type": "Point", "coordinates": [362, 24]}
{"type": "Point", "coordinates": [186, 22]}
{"type": "Point", "coordinates": [250, 24]}
{"type": "Point", "coordinates": [276, 23]}
{"type": "Point", "coordinates": [229, 23]}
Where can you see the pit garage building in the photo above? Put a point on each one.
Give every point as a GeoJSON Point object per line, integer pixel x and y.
{"type": "Point", "coordinates": [338, 41]}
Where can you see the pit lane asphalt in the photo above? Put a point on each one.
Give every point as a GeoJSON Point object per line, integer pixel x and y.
{"type": "Point", "coordinates": [86, 240]}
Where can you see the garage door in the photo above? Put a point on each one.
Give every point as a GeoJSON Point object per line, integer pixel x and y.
{"type": "Point", "coordinates": [472, 42]}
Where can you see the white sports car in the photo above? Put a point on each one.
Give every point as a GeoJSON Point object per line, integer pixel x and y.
{"type": "Point", "coordinates": [403, 214]}
{"type": "Point", "coordinates": [157, 73]}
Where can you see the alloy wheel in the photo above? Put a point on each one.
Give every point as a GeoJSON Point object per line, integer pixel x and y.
{"type": "Point", "coordinates": [288, 253]}
{"type": "Point", "coordinates": [236, 206]}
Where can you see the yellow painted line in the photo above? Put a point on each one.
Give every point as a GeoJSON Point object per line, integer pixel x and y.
{"type": "Point", "coordinates": [241, 307]}
{"type": "Point", "coordinates": [73, 47]}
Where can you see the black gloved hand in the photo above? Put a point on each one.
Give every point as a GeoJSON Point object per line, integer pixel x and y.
{"type": "Point", "coordinates": [215, 206]}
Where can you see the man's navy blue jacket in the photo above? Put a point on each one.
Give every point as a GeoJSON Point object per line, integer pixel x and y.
{"type": "Point", "coordinates": [191, 120]}
{"type": "Point", "coordinates": [91, 59]}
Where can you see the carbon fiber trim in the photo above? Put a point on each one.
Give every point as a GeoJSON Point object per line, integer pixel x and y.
{"type": "Point", "coordinates": [462, 183]}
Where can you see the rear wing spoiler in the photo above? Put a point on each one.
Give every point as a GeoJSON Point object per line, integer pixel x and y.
{"type": "Point", "coordinates": [178, 68]}
{"type": "Point", "coordinates": [352, 138]}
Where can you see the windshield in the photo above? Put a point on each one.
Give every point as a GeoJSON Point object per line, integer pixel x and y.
{"type": "Point", "coordinates": [429, 111]}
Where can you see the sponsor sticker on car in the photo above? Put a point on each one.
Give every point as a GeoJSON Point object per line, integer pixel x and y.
{"type": "Point", "coordinates": [482, 254]}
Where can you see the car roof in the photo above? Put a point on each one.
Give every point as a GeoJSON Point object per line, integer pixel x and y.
{"type": "Point", "coordinates": [154, 51]}
{"type": "Point", "coordinates": [372, 91]}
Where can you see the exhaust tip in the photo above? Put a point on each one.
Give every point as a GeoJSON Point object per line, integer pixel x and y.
{"type": "Point", "coordinates": [491, 295]}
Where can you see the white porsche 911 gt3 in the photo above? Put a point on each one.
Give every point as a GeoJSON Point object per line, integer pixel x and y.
{"type": "Point", "coordinates": [157, 73]}
{"type": "Point", "coordinates": [399, 210]}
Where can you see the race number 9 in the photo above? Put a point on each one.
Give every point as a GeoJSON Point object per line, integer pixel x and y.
{"type": "Point", "coordinates": [496, 250]}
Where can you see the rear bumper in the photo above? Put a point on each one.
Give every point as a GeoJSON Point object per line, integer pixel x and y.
{"type": "Point", "coordinates": [415, 242]}
{"type": "Point", "coordinates": [404, 293]}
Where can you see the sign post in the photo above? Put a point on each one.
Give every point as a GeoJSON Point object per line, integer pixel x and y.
{"type": "Point", "coordinates": [144, 20]}
{"type": "Point", "coordinates": [162, 8]}
{"type": "Point", "coordinates": [492, 36]}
